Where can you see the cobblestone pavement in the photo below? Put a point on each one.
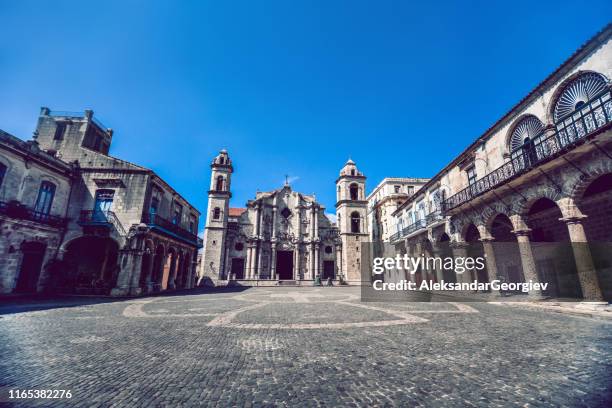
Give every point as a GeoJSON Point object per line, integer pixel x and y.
{"type": "Point", "coordinates": [301, 347]}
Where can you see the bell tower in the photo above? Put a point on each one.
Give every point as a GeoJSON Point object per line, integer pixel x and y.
{"type": "Point", "coordinates": [351, 211]}
{"type": "Point", "coordinates": [215, 232]}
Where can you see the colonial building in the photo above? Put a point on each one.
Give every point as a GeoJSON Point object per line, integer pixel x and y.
{"type": "Point", "coordinates": [386, 197]}
{"type": "Point", "coordinates": [34, 192]}
{"type": "Point", "coordinates": [539, 178]}
{"type": "Point", "coordinates": [282, 235]}
{"type": "Point", "coordinates": [123, 230]}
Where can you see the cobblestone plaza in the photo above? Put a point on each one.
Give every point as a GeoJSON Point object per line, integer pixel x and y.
{"type": "Point", "coordinates": [301, 346]}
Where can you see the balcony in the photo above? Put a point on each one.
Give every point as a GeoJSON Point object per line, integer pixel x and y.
{"type": "Point", "coordinates": [16, 210]}
{"type": "Point", "coordinates": [101, 218]}
{"type": "Point", "coordinates": [429, 219]}
{"type": "Point", "coordinates": [168, 227]}
{"type": "Point", "coordinates": [569, 132]}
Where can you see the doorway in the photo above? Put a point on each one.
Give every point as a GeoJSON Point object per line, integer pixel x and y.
{"type": "Point", "coordinates": [284, 265]}
{"type": "Point", "coordinates": [33, 255]}
{"type": "Point", "coordinates": [328, 270]}
{"type": "Point", "coordinates": [238, 268]}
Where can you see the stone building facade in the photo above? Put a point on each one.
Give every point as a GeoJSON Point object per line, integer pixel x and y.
{"type": "Point", "coordinates": [34, 192]}
{"type": "Point", "coordinates": [124, 230]}
{"type": "Point", "coordinates": [386, 197]}
{"type": "Point", "coordinates": [540, 179]}
{"type": "Point", "coordinates": [282, 235]}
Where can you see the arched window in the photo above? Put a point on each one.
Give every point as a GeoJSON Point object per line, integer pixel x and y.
{"type": "Point", "coordinates": [582, 106]}
{"type": "Point", "coordinates": [221, 160]}
{"type": "Point", "coordinates": [528, 127]}
{"type": "Point", "coordinates": [216, 213]}
{"type": "Point", "coordinates": [354, 191]}
{"type": "Point", "coordinates": [352, 172]}
{"type": "Point", "coordinates": [355, 222]}
{"type": "Point", "coordinates": [45, 198]}
{"type": "Point", "coordinates": [219, 186]}
{"type": "Point", "coordinates": [578, 93]}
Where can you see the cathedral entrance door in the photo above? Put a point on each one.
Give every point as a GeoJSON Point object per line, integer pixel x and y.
{"type": "Point", "coordinates": [328, 270]}
{"type": "Point", "coordinates": [238, 268]}
{"type": "Point", "coordinates": [284, 265]}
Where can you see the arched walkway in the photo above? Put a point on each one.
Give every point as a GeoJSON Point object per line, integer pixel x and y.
{"type": "Point", "coordinates": [445, 251]}
{"type": "Point", "coordinates": [552, 249]}
{"type": "Point", "coordinates": [146, 268]}
{"type": "Point", "coordinates": [169, 270]}
{"type": "Point", "coordinates": [475, 250]}
{"type": "Point", "coordinates": [158, 264]}
{"type": "Point", "coordinates": [596, 203]}
{"type": "Point", "coordinates": [507, 254]}
{"type": "Point", "coordinates": [91, 265]}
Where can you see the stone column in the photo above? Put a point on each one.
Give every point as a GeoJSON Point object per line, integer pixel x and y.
{"type": "Point", "coordinates": [258, 220]}
{"type": "Point", "coordinates": [418, 249]}
{"type": "Point", "coordinates": [316, 222]}
{"type": "Point", "coordinates": [312, 222]}
{"type": "Point", "coordinates": [135, 288]}
{"type": "Point", "coordinates": [124, 277]}
{"type": "Point", "coordinates": [437, 253]}
{"type": "Point", "coordinates": [274, 210]}
{"type": "Point", "coordinates": [339, 261]}
{"type": "Point", "coordinates": [530, 271]}
{"type": "Point", "coordinates": [584, 262]}
{"type": "Point", "coordinates": [258, 252]}
{"type": "Point", "coordinates": [226, 265]}
{"type": "Point", "coordinates": [173, 271]}
{"type": "Point", "coordinates": [148, 279]}
{"type": "Point", "coordinates": [191, 266]}
{"type": "Point", "coordinates": [317, 260]}
{"type": "Point", "coordinates": [296, 262]}
{"type": "Point", "coordinates": [459, 250]}
{"type": "Point", "coordinates": [249, 261]}
{"type": "Point", "coordinates": [489, 253]}
{"type": "Point", "coordinates": [311, 262]}
{"type": "Point", "coordinates": [273, 262]}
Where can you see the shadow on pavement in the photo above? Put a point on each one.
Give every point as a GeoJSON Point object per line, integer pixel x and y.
{"type": "Point", "coordinates": [12, 304]}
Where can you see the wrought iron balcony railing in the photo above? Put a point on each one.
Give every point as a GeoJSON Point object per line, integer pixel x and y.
{"type": "Point", "coordinates": [429, 219]}
{"type": "Point", "coordinates": [101, 218]}
{"type": "Point", "coordinates": [155, 220]}
{"type": "Point", "coordinates": [569, 132]}
{"type": "Point", "coordinates": [17, 210]}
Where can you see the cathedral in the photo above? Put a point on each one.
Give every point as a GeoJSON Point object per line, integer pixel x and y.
{"type": "Point", "coordinates": [283, 236]}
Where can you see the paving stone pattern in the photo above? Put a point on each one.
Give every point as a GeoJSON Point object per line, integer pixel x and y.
{"type": "Point", "coordinates": [301, 347]}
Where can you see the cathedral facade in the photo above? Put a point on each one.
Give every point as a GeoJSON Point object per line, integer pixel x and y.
{"type": "Point", "coordinates": [283, 236]}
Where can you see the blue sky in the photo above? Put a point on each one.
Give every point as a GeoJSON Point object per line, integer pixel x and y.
{"type": "Point", "coordinates": [287, 87]}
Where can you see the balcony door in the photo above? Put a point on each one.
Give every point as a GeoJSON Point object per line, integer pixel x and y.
{"type": "Point", "coordinates": [45, 198]}
{"type": "Point", "coordinates": [103, 204]}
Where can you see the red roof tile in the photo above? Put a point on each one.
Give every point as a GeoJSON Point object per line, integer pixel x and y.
{"type": "Point", "coordinates": [236, 212]}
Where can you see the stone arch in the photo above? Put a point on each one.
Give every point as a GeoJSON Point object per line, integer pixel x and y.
{"type": "Point", "coordinates": [354, 191]}
{"type": "Point", "coordinates": [492, 211]}
{"type": "Point", "coordinates": [219, 183]}
{"type": "Point", "coordinates": [563, 86]}
{"type": "Point", "coordinates": [355, 222]}
{"type": "Point", "coordinates": [169, 270]}
{"type": "Point", "coordinates": [525, 123]}
{"type": "Point", "coordinates": [90, 265]}
{"type": "Point", "coordinates": [600, 168]}
{"type": "Point", "coordinates": [537, 193]}
{"type": "Point", "coordinates": [146, 265]}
